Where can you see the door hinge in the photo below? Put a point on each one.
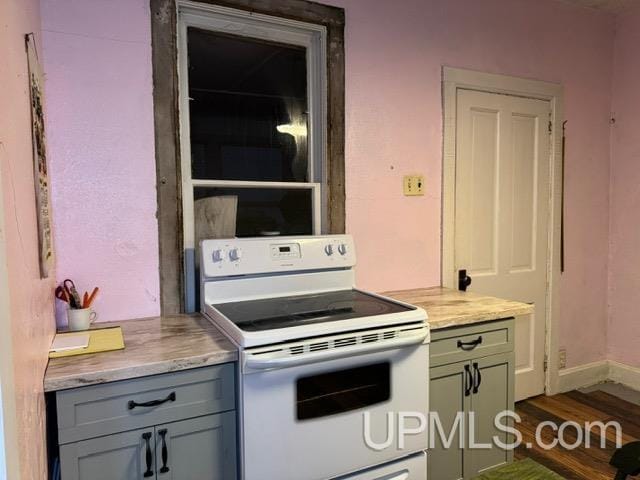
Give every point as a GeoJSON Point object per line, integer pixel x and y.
{"type": "Point", "coordinates": [550, 126]}
{"type": "Point", "coordinates": [546, 362]}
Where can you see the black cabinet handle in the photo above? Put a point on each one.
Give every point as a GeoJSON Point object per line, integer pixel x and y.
{"type": "Point", "coordinates": [468, 346]}
{"type": "Point", "coordinates": [153, 403]}
{"type": "Point", "coordinates": [467, 381]}
{"type": "Point", "coordinates": [148, 456]}
{"type": "Point", "coordinates": [464, 280]}
{"type": "Point", "coordinates": [477, 378]}
{"type": "Point", "coordinates": [165, 453]}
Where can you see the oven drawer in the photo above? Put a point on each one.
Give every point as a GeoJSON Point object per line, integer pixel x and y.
{"type": "Point", "coordinates": [451, 345]}
{"type": "Point", "coordinates": [409, 468]}
{"type": "Point", "coordinates": [97, 410]}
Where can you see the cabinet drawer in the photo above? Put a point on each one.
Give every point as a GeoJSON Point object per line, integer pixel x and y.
{"type": "Point", "coordinates": [458, 344]}
{"type": "Point", "coordinates": [97, 410]}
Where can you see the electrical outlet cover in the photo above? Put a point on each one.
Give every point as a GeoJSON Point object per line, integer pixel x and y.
{"type": "Point", "coordinates": [562, 358]}
{"type": "Point", "coordinates": [413, 185]}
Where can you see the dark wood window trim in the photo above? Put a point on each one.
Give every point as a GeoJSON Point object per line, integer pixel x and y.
{"type": "Point", "coordinates": [167, 133]}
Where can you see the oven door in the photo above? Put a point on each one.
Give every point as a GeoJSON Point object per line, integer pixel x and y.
{"type": "Point", "coordinates": [307, 421]}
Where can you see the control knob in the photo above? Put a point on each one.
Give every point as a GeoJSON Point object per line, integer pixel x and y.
{"type": "Point", "coordinates": [235, 254]}
{"type": "Point", "coordinates": [218, 255]}
{"type": "Point", "coordinates": [328, 249]}
{"type": "Point", "coordinates": [342, 249]}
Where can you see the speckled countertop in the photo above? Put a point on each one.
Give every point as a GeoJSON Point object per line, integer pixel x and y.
{"type": "Point", "coordinates": [152, 346]}
{"type": "Point", "coordinates": [452, 308]}
{"type": "Point", "coordinates": [179, 342]}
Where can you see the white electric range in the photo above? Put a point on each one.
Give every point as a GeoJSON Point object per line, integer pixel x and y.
{"type": "Point", "coordinates": [315, 355]}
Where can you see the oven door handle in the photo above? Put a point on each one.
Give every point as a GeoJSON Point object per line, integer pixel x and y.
{"type": "Point", "coordinates": [258, 361]}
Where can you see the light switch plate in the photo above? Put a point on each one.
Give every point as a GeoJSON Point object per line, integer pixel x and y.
{"type": "Point", "coordinates": [413, 185]}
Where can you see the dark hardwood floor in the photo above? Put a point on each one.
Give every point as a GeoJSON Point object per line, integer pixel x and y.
{"type": "Point", "coordinates": [581, 463]}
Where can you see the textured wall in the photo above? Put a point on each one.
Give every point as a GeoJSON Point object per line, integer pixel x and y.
{"type": "Point", "coordinates": [101, 126]}
{"type": "Point", "coordinates": [394, 117]}
{"type": "Point", "coordinates": [97, 61]}
{"type": "Point", "coordinates": [623, 331]}
{"type": "Point", "coordinates": [31, 299]}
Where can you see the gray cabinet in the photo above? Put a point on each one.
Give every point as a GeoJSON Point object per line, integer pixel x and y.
{"type": "Point", "coordinates": [471, 381]}
{"type": "Point", "coordinates": [494, 395]}
{"type": "Point", "coordinates": [446, 397]}
{"type": "Point", "coordinates": [98, 410]}
{"type": "Point", "coordinates": [197, 449]}
{"type": "Point", "coordinates": [114, 457]}
{"type": "Point", "coordinates": [176, 426]}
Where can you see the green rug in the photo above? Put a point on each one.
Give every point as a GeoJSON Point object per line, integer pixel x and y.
{"type": "Point", "coordinates": [525, 469]}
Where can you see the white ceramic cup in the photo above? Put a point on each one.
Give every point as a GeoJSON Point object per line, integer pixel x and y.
{"type": "Point", "coordinates": [80, 318]}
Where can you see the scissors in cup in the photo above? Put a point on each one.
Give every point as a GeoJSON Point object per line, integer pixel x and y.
{"type": "Point", "coordinates": [74, 297]}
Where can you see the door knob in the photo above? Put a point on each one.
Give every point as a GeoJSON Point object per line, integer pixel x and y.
{"type": "Point", "coordinates": [463, 280]}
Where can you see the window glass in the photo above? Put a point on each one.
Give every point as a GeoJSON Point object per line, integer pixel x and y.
{"type": "Point", "coordinates": [342, 391]}
{"type": "Point", "coordinates": [248, 109]}
{"type": "Point", "coordinates": [266, 211]}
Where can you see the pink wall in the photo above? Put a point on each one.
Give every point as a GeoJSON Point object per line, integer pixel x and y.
{"type": "Point", "coordinates": [624, 281]}
{"type": "Point", "coordinates": [97, 56]}
{"type": "Point", "coordinates": [395, 118]}
{"type": "Point", "coordinates": [31, 299]}
{"type": "Point", "coordinates": [97, 61]}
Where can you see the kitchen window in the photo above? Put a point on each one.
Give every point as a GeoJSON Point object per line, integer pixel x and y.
{"type": "Point", "coordinates": [258, 139]}
{"type": "Point", "coordinates": [253, 128]}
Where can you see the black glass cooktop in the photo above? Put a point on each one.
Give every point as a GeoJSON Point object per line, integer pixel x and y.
{"type": "Point", "coordinates": [270, 313]}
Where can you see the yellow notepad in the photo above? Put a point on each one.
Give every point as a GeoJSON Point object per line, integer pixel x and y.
{"type": "Point", "coordinates": [100, 340]}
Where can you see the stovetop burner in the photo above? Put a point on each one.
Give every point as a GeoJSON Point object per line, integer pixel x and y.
{"type": "Point", "coordinates": [271, 313]}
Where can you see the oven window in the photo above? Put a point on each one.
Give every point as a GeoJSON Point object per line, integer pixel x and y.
{"type": "Point", "coordinates": [341, 391]}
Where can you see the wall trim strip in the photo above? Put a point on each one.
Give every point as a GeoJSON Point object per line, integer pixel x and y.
{"type": "Point", "coordinates": [583, 376]}
{"type": "Point", "coordinates": [593, 373]}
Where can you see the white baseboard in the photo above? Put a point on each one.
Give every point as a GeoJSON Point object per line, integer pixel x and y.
{"type": "Point", "coordinates": [597, 372]}
{"type": "Point", "coordinates": [583, 375]}
{"type": "Point", "coordinates": [625, 374]}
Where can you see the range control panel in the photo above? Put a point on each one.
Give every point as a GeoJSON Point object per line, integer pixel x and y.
{"type": "Point", "coordinates": [250, 256]}
{"type": "Point", "coordinates": [284, 251]}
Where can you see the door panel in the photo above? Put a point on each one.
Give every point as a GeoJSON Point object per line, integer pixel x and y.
{"type": "Point", "coordinates": [494, 394]}
{"type": "Point", "coordinates": [502, 212]}
{"type": "Point", "coordinates": [525, 353]}
{"type": "Point", "coordinates": [113, 457]}
{"type": "Point", "coordinates": [523, 228]}
{"type": "Point", "coordinates": [478, 170]}
{"type": "Point", "coordinates": [197, 449]}
{"type": "Point", "coordinates": [447, 398]}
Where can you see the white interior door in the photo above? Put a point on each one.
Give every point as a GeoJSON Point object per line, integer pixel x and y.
{"type": "Point", "coordinates": [501, 213]}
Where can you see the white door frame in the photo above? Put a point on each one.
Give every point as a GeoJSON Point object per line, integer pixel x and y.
{"type": "Point", "coordinates": [9, 458]}
{"type": "Point", "coordinates": [454, 79]}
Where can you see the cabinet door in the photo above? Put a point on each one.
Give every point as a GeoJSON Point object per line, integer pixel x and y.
{"type": "Point", "coordinates": [122, 456]}
{"type": "Point", "coordinates": [202, 448]}
{"type": "Point", "coordinates": [493, 380]}
{"type": "Point", "coordinates": [449, 394]}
